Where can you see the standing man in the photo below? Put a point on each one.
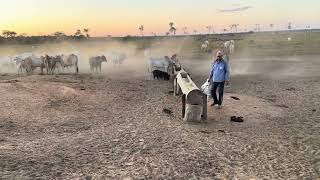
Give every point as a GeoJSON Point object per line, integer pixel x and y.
{"type": "Point", "coordinates": [220, 76]}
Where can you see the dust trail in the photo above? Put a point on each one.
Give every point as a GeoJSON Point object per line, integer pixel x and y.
{"type": "Point", "coordinates": [245, 61]}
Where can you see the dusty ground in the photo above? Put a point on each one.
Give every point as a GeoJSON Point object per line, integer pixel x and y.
{"type": "Point", "coordinates": [98, 127]}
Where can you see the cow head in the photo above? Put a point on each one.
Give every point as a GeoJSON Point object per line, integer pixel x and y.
{"type": "Point", "coordinates": [103, 58]}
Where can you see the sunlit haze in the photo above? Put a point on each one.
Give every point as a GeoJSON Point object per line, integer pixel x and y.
{"type": "Point", "coordinates": [123, 17]}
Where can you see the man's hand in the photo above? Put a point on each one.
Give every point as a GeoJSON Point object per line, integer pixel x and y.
{"type": "Point", "coordinates": [227, 83]}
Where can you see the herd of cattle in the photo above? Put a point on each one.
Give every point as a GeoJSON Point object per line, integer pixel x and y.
{"type": "Point", "coordinates": [158, 67]}
{"type": "Point", "coordinates": [228, 46]}
{"type": "Point", "coordinates": [29, 63]}
{"type": "Point", "coordinates": [163, 68]}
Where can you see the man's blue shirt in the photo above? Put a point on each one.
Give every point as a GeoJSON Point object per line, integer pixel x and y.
{"type": "Point", "coordinates": [220, 71]}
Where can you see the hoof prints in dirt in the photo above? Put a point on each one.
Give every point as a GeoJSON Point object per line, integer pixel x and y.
{"type": "Point", "coordinates": [7, 125]}
{"type": "Point", "coordinates": [57, 102]}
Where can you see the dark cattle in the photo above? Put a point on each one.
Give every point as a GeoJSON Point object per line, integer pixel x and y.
{"type": "Point", "coordinates": [160, 75]}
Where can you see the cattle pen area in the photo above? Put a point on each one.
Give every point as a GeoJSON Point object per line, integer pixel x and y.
{"type": "Point", "coordinates": [120, 124]}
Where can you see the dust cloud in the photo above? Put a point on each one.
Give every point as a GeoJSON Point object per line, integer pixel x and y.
{"type": "Point", "coordinates": [243, 62]}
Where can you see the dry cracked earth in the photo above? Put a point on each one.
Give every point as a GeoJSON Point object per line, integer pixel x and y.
{"type": "Point", "coordinates": [97, 127]}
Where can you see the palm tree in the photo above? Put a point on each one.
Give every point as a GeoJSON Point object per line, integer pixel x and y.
{"type": "Point", "coordinates": [185, 30]}
{"type": "Point", "coordinates": [86, 30]}
{"type": "Point", "coordinates": [172, 28]}
{"type": "Point", "coordinates": [195, 31]}
{"type": "Point", "coordinates": [141, 28]}
{"type": "Point", "coordinates": [209, 29]}
{"type": "Point", "coordinates": [171, 24]}
{"type": "Point", "coordinates": [289, 25]}
{"type": "Point", "coordinates": [257, 27]}
{"type": "Point", "coordinates": [271, 26]}
{"type": "Point", "coordinates": [167, 33]}
{"type": "Point", "coordinates": [78, 33]}
{"type": "Point", "coordinates": [234, 27]}
{"type": "Point", "coordinates": [225, 30]}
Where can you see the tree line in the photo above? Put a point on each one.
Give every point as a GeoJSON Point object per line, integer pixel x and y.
{"type": "Point", "coordinates": [8, 36]}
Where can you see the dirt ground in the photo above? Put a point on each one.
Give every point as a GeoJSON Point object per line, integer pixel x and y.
{"type": "Point", "coordinates": [101, 127]}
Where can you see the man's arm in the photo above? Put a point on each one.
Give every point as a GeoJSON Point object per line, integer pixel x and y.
{"type": "Point", "coordinates": [211, 73]}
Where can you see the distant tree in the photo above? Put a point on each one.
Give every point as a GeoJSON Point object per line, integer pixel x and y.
{"type": "Point", "coordinates": [59, 34]}
{"type": "Point", "coordinates": [86, 30]}
{"type": "Point", "coordinates": [167, 33]}
{"type": "Point", "coordinates": [209, 29]}
{"type": "Point", "coordinates": [257, 28]}
{"type": "Point", "coordinates": [289, 26]}
{"type": "Point", "coordinates": [171, 24]}
{"type": "Point", "coordinates": [185, 30]}
{"type": "Point", "coordinates": [225, 30]}
{"type": "Point", "coordinates": [271, 26]}
{"type": "Point", "coordinates": [172, 29]}
{"type": "Point", "coordinates": [23, 35]}
{"type": "Point", "coordinates": [195, 31]}
{"type": "Point", "coordinates": [78, 32]}
{"type": "Point", "coordinates": [9, 34]}
{"type": "Point", "coordinates": [234, 27]}
{"type": "Point", "coordinates": [154, 34]}
{"type": "Point", "coordinates": [13, 34]}
{"type": "Point", "coordinates": [141, 28]}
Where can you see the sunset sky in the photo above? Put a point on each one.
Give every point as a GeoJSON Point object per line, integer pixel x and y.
{"type": "Point", "coordinates": [122, 17]}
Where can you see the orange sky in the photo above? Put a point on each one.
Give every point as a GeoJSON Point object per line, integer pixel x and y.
{"type": "Point", "coordinates": [122, 17]}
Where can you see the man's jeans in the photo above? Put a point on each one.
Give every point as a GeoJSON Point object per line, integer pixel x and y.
{"type": "Point", "coordinates": [220, 87]}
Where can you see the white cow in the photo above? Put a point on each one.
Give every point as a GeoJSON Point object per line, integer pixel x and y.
{"type": "Point", "coordinates": [164, 64]}
{"type": "Point", "coordinates": [29, 64]}
{"type": "Point", "coordinates": [51, 63]}
{"type": "Point", "coordinates": [204, 46]}
{"type": "Point", "coordinates": [20, 64]}
{"type": "Point", "coordinates": [117, 58]}
{"type": "Point", "coordinates": [70, 61]}
{"type": "Point", "coordinates": [95, 63]}
{"type": "Point", "coordinates": [6, 63]}
{"type": "Point", "coordinates": [229, 47]}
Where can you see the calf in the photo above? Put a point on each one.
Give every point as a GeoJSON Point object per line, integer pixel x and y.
{"type": "Point", "coordinates": [160, 75]}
